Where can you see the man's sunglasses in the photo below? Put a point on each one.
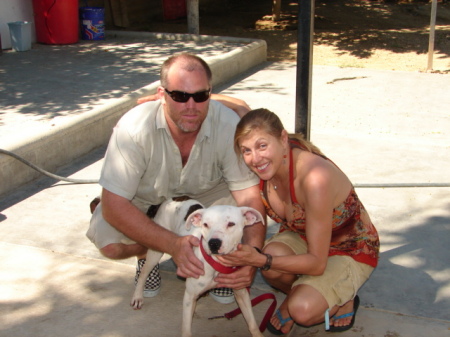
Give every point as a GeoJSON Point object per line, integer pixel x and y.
{"type": "Point", "coordinates": [183, 97]}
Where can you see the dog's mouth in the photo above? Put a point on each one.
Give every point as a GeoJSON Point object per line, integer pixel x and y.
{"type": "Point", "coordinates": [215, 247]}
{"type": "Point", "coordinates": [216, 252]}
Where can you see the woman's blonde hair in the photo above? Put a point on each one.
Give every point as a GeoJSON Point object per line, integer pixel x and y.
{"type": "Point", "coordinates": [267, 121]}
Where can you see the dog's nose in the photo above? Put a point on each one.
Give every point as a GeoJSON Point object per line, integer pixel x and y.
{"type": "Point", "coordinates": [214, 245]}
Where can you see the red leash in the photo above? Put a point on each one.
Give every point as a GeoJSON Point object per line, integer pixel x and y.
{"type": "Point", "coordinates": [255, 301]}
{"type": "Point", "coordinates": [258, 299]}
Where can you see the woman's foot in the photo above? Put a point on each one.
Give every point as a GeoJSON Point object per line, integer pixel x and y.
{"type": "Point", "coordinates": [280, 323]}
{"type": "Point", "coordinates": [345, 316]}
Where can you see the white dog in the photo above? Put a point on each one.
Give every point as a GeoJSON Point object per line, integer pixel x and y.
{"type": "Point", "coordinates": [220, 229]}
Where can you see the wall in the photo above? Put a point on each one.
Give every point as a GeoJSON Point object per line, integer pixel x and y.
{"type": "Point", "coordinates": [14, 10]}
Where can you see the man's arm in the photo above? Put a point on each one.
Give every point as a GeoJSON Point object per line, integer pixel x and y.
{"type": "Point", "coordinates": [148, 98]}
{"type": "Point", "coordinates": [128, 219]}
{"type": "Point", "coordinates": [237, 105]}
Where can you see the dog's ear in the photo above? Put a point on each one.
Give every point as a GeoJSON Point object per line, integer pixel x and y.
{"type": "Point", "coordinates": [194, 219]}
{"type": "Point", "coordinates": [251, 216]}
{"type": "Point", "coordinates": [193, 208]}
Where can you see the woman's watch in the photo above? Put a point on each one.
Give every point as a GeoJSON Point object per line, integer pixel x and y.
{"type": "Point", "coordinates": [268, 263]}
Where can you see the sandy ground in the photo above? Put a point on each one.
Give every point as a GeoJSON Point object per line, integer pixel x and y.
{"type": "Point", "coordinates": [358, 34]}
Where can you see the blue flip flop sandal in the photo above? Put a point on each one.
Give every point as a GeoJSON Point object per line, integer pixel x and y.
{"type": "Point", "coordinates": [352, 314]}
{"type": "Point", "coordinates": [282, 320]}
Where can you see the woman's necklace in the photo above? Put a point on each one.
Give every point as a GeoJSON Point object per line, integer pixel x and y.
{"type": "Point", "coordinates": [284, 163]}
{"type": "Point", "coordinates": [275, 187]}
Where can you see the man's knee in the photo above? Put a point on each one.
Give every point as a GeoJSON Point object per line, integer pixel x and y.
{"type": "Point", "coordinates": [119, 251]}
{"type": "Point", "coordinates": [112, 251]}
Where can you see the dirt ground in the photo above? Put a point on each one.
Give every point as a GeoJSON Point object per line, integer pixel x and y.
{"type": "Point", "coordinates": [350, 33]}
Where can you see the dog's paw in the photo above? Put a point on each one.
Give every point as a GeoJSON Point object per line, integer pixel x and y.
{"type": "Point", "coordinates": [137, 302]}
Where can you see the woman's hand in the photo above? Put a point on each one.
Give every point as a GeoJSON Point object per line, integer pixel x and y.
{"type": "Point", "coordinates": [237, 105]}
{"type": "Point", "coordinates": [245, 255]}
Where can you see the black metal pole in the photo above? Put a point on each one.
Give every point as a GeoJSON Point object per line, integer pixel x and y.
{"type": "Point", "coordinates": [304, 67]}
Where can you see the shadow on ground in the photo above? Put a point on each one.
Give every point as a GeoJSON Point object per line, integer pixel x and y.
{"type": "Point", "coordinates": [355, 27]}
{"type": "Point", "coordinates": [51, 80]}
{"type": "Point", "coordinates": [412, 256]}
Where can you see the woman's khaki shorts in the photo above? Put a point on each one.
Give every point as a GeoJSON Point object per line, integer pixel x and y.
{"type": "Point", "coordinates": [341, 279]}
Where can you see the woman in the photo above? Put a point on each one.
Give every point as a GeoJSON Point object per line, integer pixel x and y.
{"type": "Point", "coordinates": [326, 247]}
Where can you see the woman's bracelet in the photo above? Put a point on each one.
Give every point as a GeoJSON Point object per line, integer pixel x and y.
{"type": "Point", "coordinates": [268, 263]}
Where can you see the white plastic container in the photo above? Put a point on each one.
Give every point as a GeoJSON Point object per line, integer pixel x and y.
{"type": "Point", "coordinates": [20, 35]}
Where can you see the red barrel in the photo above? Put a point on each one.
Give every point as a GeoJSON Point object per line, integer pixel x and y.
{"type": "Point", "coordinates": [56, 21]}
{"type": "Point", "coordinates": [174, 9]}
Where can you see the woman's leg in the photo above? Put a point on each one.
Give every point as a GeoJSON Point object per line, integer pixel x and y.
{"type": "Point", "coordinates": [307, 307]}
{"type": "Point", "coordinates": [282, 282]}
{"type": "Point", "coordinates": [304, 304]}
{"type": "Point", "coordinates": [311, 296]}
{"type": "Point", "coordinates": [345, 309]}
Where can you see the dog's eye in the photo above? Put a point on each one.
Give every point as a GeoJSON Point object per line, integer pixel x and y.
{"type": "Point", "coordinates": [231, 224]}
{"type": "Point", "coordinates": [205, 225]}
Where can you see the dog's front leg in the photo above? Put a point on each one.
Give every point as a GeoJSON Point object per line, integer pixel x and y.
{"type": "Point", "coordinates": [151, 261]}
{"type": "Point", "coordinates": [243, 299]}
{"type": "Point", "coordinates": [189, 303]}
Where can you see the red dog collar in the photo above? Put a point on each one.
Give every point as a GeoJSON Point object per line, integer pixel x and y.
{"type": "Point", "coordinates": [216, 265]}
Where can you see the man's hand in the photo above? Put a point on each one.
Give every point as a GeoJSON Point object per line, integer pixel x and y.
{"type": "Point", "coordinates": [241, 278]}
{"type": "Point", "coordinates": [188, 265]}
